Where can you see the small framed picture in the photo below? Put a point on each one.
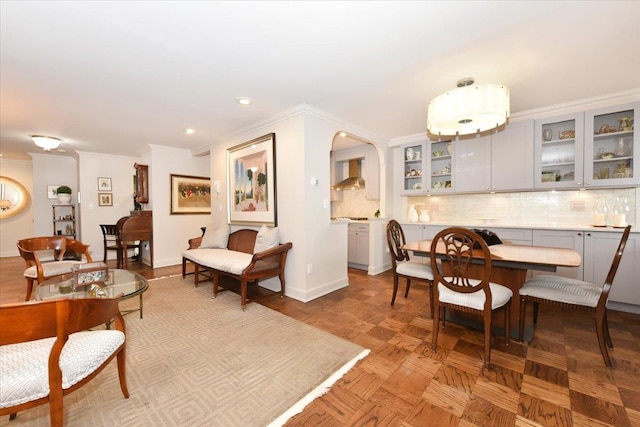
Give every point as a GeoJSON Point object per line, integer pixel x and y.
{"type": "Point", "coordinates": [87, 274]}
{"type": "Point", "coordinates": [104, 184]}
{"type": "Point", "coordinates": [105, 199]}
{"type": "Point", "coordinates": [51, 191]}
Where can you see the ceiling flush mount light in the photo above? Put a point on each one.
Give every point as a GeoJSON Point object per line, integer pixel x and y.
{"type": "Point", "coordinates": [47, 143]}
{"type": "Point", "coordinates": [343, 134]}
{"type": "Point", "coordinates": [189, 131]}
{"type": "Point", "coordinates": [468, 109]}
{"type": "Point", "coordinates": [243, 100]}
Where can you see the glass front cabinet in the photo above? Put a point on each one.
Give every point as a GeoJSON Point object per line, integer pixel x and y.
{"type": "Point", "coordinates": [440, 167]}
{"type": "Point", "coordinates": [414, 171]}
{"type": "Point", "coordinates": [559, 151]}
{"type": "Point", "coordinates": [611, 148]}
{"type": "Point", "coordinates": [586, 150]}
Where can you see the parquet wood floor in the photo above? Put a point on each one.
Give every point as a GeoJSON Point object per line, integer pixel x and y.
{"type": "Point", "coordinates": [558, 379]}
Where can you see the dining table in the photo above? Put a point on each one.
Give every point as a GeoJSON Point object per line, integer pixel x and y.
{"type": "Point", "coordinates": [509, 267]}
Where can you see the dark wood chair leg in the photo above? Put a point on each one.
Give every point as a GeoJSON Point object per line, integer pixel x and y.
{"type": "Point", "coordinates": [395, 288]}
{"type": "Point", "coordinates": [523, 313]}
{"type": "Point", "coordinates": [487, 340]}
{"type": "Point", "coordinates": [406, 291]}
{"type": "Point", "coordinates": [600, 324]}
{"type": "Point", "coordinates": [606, 330]}
{"type": "Point", "coordinates": [431, 298]}
{"type": "Point", "coordinates": [535, 312]}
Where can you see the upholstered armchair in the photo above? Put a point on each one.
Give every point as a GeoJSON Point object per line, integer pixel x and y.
{"type": "Point", "coordinates": [50, 256]}
{"type": "Point", "coordinates": [48, 351]}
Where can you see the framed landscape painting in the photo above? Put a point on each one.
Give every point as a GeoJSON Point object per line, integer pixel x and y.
{"type": "Point", "coordinates": [190, 194]}
{"type": "Point", "coordinates": [251, 176]}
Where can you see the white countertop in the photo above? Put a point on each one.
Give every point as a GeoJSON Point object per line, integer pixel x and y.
{"type": "Point", "coordinates": [483, 225]}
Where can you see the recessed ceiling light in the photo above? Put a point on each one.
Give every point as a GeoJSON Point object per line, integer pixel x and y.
{"type": "Point", "coordinates": [189, 131]}
{"type": "Point", "coordinates": [243, 100]}
{"type": "Point", "coordinates": [343, 134]}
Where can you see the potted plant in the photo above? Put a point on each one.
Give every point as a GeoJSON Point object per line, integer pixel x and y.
{"type": "Point", "coordinates": [63, 194]}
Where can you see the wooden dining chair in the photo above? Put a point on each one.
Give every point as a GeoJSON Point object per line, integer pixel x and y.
{"type": "Point", "coordinates": [48, 351]}
{"type": "Point", "coordinates": [50, 256]}
{"type": "Point", "coordinates": [574, 294]}
{"type": "Point", "coordinates": [111, 242]}
{"type": "Point", "coordinates": [454, 288]}
{"type": "Point", "coordinates": [403, 266]}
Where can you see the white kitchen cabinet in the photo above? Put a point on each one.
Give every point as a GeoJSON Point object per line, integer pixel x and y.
{"type": "Point", "coordinates": [599, 249]}
{"type": "Point", "coordinates": [567, 239]}
{"type": "Point", "coordinates": [371, 173]}
{"type": "Point", "coordinates": [587, 150]}
{"type": "Point", "coordinates": [358, 245]}
{"type": "Point", "coordinates": [414, 169]}
{"type": "Point", "coordinates": [336, 176]}
{"type": "Point", "coordinates": [497, 161]}
{"type": "Point", "coordinates": [559, 151]}
{"type": "Point", "coordinates": [440, 167]}
{"type": "Point", "coordinates": [596, 250]}
{"type": "Point", "coordinates": [611, 146]}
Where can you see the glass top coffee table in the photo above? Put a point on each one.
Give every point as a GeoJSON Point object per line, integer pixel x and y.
{"type": "Point", "coordinates": [120, 281]}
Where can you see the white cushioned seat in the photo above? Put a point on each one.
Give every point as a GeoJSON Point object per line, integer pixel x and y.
{"type": "Point", "coordinates": [500, 295]}
{"type": "Point", "coordinates": [233, 262]}
{"type": "Point", "coordinates": [415, 269]}
{"type": "Point", "coordinates": [24, 366]}
{"type": "Point", "coordinates": [51, 269]}
{"type": "Point", "coordinates": [562, 289]}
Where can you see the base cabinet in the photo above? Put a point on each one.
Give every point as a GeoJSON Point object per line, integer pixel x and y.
{"type": "Point", "coordinates": [358, 246]}
{"type": "Point", "coordinates": [596, 250]}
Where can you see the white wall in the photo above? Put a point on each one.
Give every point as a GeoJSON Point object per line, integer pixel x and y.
{"type": "Point", "coordinates": [91, 166]}
{"type": "Point", "coordinates": [48, 170]}
{"type": "Point", "coordinates": [171, 233]}
{"type": "Point", "coordinates": [20, 226]}
{"type": "Point", "coordinates": [304, 138]}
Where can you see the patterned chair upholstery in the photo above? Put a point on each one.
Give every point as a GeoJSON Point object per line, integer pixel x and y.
{"type": "Point", "coordinates": [50, 256]}
{"type": "Point", "coordinates": [574, 294]}
{"type": "Point", "coordinates": [47, 351]}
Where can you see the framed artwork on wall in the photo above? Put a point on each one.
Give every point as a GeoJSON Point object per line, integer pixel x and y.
{"type": "Point", "coordinates": [190, 194]}
{"type": "Point", "coordinates": [105, 199]}
{"type": "Point", "coordinates": [251, 177]}
{"type": "Point", "coordinates": [104, 184]}
{"type": "Point", "coordinates": [51, 191]}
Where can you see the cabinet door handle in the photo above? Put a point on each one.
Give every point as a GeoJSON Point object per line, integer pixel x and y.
{"type": "Point", "coordinates": [588, 234]}
{"type": "Point", "coordinates": [579, 234]}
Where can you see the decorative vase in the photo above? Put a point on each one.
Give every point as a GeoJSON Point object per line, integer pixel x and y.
{"type": "Point", "coordinates": [547, 134]}
{"type": "Point", "coordinates": [412, 215]}
{"type": "Point", "coordinates": [424, 216]}
{"type": "Point", "coordinates": [410, 153]}
{"type": "Point", "coordinates": [63, 198]}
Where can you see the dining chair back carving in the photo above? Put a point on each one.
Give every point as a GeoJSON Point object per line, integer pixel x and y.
{"type": "Point", "coordinates": [454, 288]}
{"type": "Point", "coordinates": [50, 256]}
{"type": "Point", "coordinates": [403, 266]}
{"type": "Point", "coordinates": [48, 351]}
{"type": "Point", "coordinates": [574, 294]}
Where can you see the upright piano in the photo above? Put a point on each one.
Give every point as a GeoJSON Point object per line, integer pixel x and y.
{"type": "Point", "coordinates": [136, 227]}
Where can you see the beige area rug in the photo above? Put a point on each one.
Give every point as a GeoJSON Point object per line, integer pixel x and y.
{"type": "Point", "coordinates": [197, 361]}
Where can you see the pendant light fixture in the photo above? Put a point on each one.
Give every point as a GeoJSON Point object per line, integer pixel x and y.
{"type": "Point", "coordinates": [468, 109]}
{"type": "Point", "coordinates": [47, 143]}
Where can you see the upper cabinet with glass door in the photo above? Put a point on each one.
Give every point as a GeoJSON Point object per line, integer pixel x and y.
{"type": "Point", "coordinates": [611, 151]}
{"type": "Point", "coordinates": [559, 151]}
{"type": "Point", "coordinates": [414, 173]}
{"type": "Point", "coordinates": [440, 161]}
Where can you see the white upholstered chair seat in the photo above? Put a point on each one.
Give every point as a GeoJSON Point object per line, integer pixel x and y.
{"type": "Point", "coordinates": [233, 262]}
{"type": "Point", "coordinates": [500, 295]}
{"type": "Point", "coordinates": [415, 269]}
{"type": "Point", "coordinates": [51, 269]}
{"type": "Point", "coordinates": [562, 289]}
{"type": "Point", "coordinates": [24, 366]}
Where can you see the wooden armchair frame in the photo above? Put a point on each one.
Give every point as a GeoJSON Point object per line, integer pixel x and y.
{"type": "Point", "coordinates": [60, 245]}
{"type": "Point", "coordinates": [33, 321]}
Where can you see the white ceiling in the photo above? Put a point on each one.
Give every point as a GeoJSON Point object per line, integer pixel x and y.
{"type": "Point", "coordinates": [114, 77]}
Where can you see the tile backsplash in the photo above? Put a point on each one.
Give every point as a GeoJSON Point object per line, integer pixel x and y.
{"type": "Point", "coordinates": [544, 208]}
{"type": "Point", "coordinates": [354, 204]}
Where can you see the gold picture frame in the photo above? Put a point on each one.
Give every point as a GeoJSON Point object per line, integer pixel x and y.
{"type": "Point", "coordinates": [251, 178]}
{"type": "Point", "coordinates": [105, 199]}
{"type": "Point", "coordinates": [190, 195]}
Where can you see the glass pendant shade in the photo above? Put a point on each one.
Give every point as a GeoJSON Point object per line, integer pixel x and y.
{"type": "Point", "coordinates": [47, 143]}
{"type": "Point", "coordinates": [468, 109]}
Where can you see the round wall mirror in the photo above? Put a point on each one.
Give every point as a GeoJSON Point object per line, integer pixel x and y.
{"type": "Point", "coordinates": [14, 198]}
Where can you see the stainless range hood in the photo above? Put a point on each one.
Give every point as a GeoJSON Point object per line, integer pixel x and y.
{"type": "Point", "coordinates": [355, 181]}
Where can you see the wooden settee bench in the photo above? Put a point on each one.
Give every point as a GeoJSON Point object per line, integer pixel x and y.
{"type": "Point", "coordinates": [237, 261]}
